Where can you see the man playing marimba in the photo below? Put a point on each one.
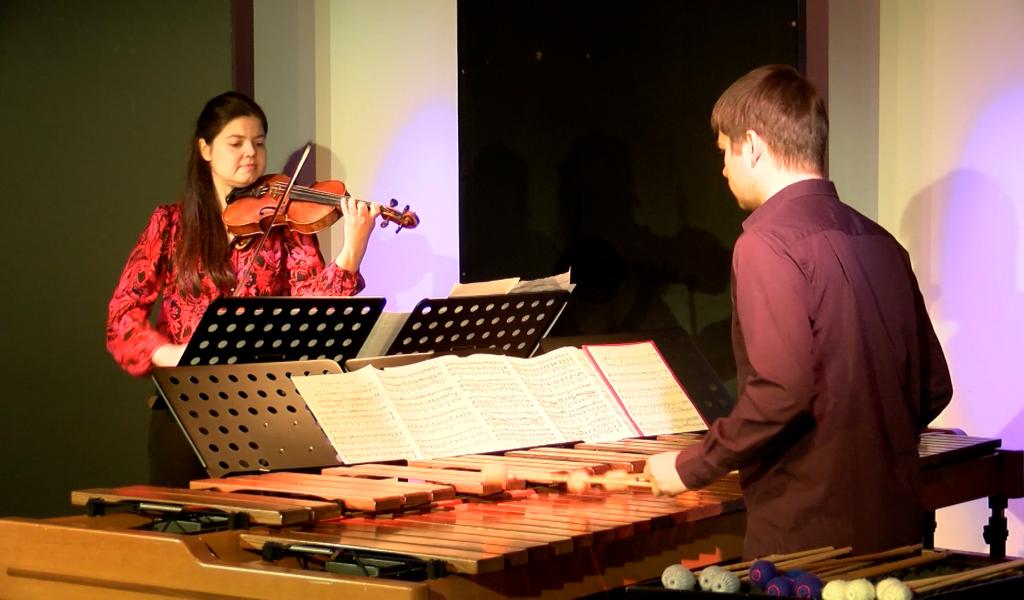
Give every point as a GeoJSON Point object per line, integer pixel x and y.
{"type": "Point", "coordinates": [838, 366]}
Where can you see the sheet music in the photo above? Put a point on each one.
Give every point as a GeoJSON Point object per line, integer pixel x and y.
{"type": "Point", "coordinates": [483, 288]}
{"type": "Point", "coordinates": [383, 333]}
{"type": "Point", "coordinates": [513, 285]}
{"type": "Point", "coordinates": [503, 399]}
{"type": "Point", "coordinates": [450, 405]}
{"type": "Point", "coordinates": [545, 284]}
{"type": "Point", "coordinates": [574, 397]}
{"type": "Point", "coordinates": [438, 417]}
{"type": "Point", "coordinates": [358, 419]}
{"type": "Point", "coordinates": [647, 388]}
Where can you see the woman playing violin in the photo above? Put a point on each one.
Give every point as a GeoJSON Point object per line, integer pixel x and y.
{"type": "Point", "coordinates": [187, 258]}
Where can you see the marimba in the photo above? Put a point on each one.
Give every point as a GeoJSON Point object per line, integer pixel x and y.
{"type": "Point", "coordinates": [436, 523]}
{"type": "Point", "coordinates": [425, 529]}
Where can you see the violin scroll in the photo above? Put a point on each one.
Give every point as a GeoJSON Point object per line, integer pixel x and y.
{"type": "Point", "coordinates": [404, 219]}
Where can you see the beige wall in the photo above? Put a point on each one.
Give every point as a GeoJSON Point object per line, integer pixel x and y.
{"type": "Point", "coordinates": [284, 64]}
{"type": "Point", "coordinates": [926, 101]}
{"type": "Point", "coordinates": [853, 102]}
{"type": "Point", "coordinates": [373, 84]}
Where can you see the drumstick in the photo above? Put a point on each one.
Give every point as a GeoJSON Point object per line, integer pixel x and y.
{"type": "Point", "coordinates": [778, 558]}
{"type": "Point", "coordinates": [890, 567]}
{"type": "Point", "coordinates": [826, 573]}
{"type": "Point", "coordinates": [928, 585]}
{"type": "Point", "coordinates": [837, 566]}
{"type": "Point", "coordinates": [800, 561]}
{"type": "Point", "coordinates": [579, 481]}
{"type": "Point", "coordinates": [576, 482]}
{"type": "Point", "coordinates": [810, 560]}
{"type": "Point", "coordinates": [874, 556]}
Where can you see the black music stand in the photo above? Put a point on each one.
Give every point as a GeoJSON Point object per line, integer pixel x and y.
{"type": "Point", "coordinates": [247, 418]}
{"type": "Point", "coordinates": [278, 328]}
{"type": "Point", "coordinates": [510, 324]}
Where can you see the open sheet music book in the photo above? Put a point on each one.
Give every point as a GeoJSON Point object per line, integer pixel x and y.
{"type": "Point", "coordinates": [452, 405]}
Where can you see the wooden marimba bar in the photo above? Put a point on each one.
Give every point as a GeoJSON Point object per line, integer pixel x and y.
{"type": "Point", "coordinates": [477, 538]}
{"type": "Point", "coordinates": [512, 539]}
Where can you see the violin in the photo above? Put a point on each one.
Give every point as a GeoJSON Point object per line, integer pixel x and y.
{"type": "Point", "coordinates": [307, 209]}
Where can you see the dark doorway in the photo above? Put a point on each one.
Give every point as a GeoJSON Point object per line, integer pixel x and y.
{"type": "Point", "coordinates": [585, 142]}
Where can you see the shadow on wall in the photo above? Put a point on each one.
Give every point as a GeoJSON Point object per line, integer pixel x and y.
{"type": "Point", "coordinates": [499, 184]}
{"type": "Point", "coordinates": [622, 267]}
{"type": "Point", "coordinates": [625, 270]}
{"type": "Point", "coordinates": [968, 222]}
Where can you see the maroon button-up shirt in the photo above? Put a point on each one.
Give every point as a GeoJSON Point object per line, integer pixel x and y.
{"type": "Point", "coordinates": [838, 370]}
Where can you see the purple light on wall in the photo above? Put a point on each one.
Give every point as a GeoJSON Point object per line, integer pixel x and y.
{"type": "Point", "coordinates": [981, 205]}
{"type": "Point", "coordinates": [420, 168]}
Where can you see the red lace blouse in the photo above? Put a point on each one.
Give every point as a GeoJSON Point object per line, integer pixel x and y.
{"type": "Point", "coordinates": [290, 265]}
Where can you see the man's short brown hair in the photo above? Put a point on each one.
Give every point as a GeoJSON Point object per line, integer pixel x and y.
{"type": "Point", "coordinates": [778, 103]}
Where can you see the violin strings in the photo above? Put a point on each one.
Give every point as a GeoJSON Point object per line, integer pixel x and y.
{"type": "Point", "coordinates": [314, 195]}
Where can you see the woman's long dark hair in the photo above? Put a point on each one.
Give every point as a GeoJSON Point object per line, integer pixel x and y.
{"type": "Point", "coordinates": [202, 243]}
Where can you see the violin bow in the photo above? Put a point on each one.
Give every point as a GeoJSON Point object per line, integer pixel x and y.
{"type": "Point", "coordinates": [282, 205]}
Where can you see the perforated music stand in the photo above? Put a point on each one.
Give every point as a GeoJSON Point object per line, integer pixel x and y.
{"type": "Point", "coordinates": [275, 328]}
{"type": "Point", "coordinates": [246, 418]}
{"type": "Point", "coordinates": [510, 324]}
